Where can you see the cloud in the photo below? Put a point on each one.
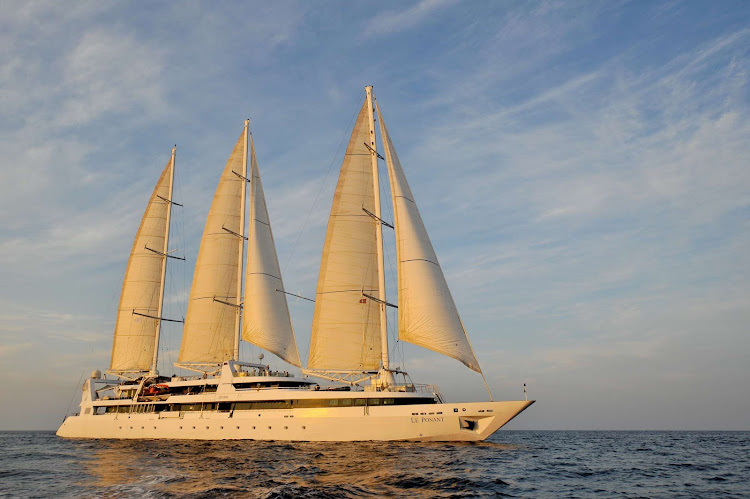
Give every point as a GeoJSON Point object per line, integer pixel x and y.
{"type": "Point", "coordinates": [393, 21]}
{"type": "Point", "coordinates": [108, 73]}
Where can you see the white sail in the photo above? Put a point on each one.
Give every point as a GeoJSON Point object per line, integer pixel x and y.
{"type": "Point", "coordinates": [346, 325]}
{"type": "Point", "coordinates": [427, 314]}
{"type": "Point", "coordinates": [266, 322]}
{"type": "Point", "coordinates": [135, 334]}
{"type": "Point", "coordinates": [210, 324]}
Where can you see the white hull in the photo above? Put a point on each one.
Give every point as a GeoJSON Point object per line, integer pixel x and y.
{"type": "Point", "coordinates": [429, 422]}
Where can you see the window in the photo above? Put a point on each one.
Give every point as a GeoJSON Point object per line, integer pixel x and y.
{"type": "Point", "coordinates": [266, 404]}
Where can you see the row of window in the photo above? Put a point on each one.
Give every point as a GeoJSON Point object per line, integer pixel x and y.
{"type": "Point", "coordinates": [265, 404]}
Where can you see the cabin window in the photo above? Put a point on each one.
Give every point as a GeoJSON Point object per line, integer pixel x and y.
{"type": "Point", "coordinates": [360, 402]}
{"type": "Point", "coordinates": [373, 402]}
{"type": "Point", "coordinates": [333, 402]}
{"type": "Point", "coordinates": [266, 404]}
{"type": "Point", "coordinates": [123, 409]}
{"type": "Point", "coordinates": [225, 406]}
{"type": "Point", "coordinates": [387, 401]}
{"type": "Point", "coordinates": [345, 402]}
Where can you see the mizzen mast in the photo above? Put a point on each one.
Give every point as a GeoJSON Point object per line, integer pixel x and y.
{"type": "Point", "coordinates": [153, 371]}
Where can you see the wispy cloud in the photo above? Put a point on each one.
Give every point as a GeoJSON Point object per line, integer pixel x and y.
{"type": "Point", "coordinates": [393, 21]}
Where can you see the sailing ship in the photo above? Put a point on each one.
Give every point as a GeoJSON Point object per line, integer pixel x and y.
{"type": "Point", "coordinates": [365, 397]}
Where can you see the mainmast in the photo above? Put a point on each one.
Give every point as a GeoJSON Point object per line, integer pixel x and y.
{"type": "Point", "coordinates": [378, 232]}
{"type": "Point", "coordinates": [165, 252]}
{"type": "Point", "coordinates": [240, 268]}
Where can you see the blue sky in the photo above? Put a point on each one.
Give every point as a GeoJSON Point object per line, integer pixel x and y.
{"type": "Point", "coordinates": [582, 169]}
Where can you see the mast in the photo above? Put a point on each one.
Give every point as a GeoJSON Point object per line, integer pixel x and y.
{"type": "Point", "coordinates": [236, 355]}
{"type": "Point", "coordinates": [378, 232]}
{"type": "Point", "coordinates": [165, 250]}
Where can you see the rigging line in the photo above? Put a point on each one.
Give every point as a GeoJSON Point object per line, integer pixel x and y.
{"type": "Point", "coordinates": [322, 185]}
{"type": "Point", "coordinates": [74, 394]}
{"type": "Point", "coordinates": [358, 290]}
{"type": "Point", "coordinates": [297, 295]}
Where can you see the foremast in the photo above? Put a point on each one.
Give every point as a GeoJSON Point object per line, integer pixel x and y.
{"type": "Point", "coordinates": [386, 377]}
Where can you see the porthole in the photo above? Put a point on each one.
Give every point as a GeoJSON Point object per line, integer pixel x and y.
{"type": "Point", "coordinates": [238, 427]}
{"type": "Point", "coordinates": [193, 427]}
{"type": "Point", "coordinates": [286, 427]}
{"type": "Point", "coordinates": [221, 427]}
{"type": "Point", "coordinates": [303, 427]}
{"type": "Point", "coordinates": [180, 427]}
{"type": "Point", "coordinates": [207, 427]}
{"type": "Point", "coordinates": [143, 427]}
{"type": "Point", "coordinates": [269, 427]}
{"type": "Point", "coordinates": [253, 427]}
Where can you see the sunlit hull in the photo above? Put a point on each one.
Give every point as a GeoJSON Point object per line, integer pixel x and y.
{"type": "Point", "coordinates": [429, 422]}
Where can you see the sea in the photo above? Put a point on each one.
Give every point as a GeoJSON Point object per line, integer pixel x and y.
{"type": "Point", "coordinates": [509, 464]}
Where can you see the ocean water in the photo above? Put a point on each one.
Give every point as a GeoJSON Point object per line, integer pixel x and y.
{"type": "Point", "coordinates": [511, 464]}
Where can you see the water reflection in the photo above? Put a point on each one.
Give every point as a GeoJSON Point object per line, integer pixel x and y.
{"type": "Point", "coordinates": [276, 469]}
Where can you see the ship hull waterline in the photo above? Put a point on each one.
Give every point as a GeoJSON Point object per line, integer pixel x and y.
{"type": "Point", "coordinates": [472, 421]}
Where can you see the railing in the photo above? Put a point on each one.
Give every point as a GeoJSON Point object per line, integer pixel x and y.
{"type": "Point", "coordinates": [433, 389]}
{"type": "Point", "coordinates": [272, 374]}
{"type": "Point", "coordinates": [255, 388]}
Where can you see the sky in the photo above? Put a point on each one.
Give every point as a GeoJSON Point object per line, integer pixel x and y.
{"type": "Point", "coordinates": [581, 168]}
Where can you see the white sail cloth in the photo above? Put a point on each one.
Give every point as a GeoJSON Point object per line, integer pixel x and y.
{"type": "Point", "coordinates": [346, 325]}
{"type": "Point", "coordinates": [266, 322]}
{"type": "Point", "coordinates": [210, 324]}
{"type": "Point", "coordinates": [133, 346]}
{"type": "Point", "coordinates": [427, 314]}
